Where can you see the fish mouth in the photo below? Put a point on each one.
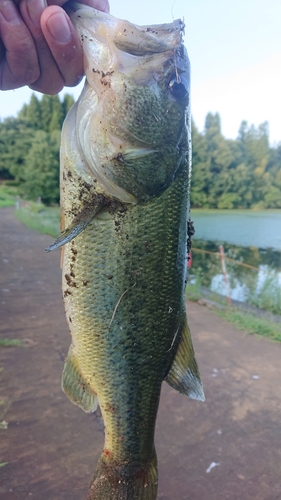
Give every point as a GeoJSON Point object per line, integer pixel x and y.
{"type": "Point", "coordinates": [126, 36]}
{"type": "Point", "coordinates": [129, 48]}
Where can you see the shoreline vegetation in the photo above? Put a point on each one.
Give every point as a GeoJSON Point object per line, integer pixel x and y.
{"type": "Point", "coordinates": [245, 317]}
{"type": "Point", "coordinates": [40, 218]}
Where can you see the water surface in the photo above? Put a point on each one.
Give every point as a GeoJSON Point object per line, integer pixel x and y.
{"type": "Point", "coordinates": [252, 245]}
{"type": "Point", "coordinates": [248, 228]}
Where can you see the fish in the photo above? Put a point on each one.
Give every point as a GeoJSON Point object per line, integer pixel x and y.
{"type": "Point", "coordinates": [125, 190]}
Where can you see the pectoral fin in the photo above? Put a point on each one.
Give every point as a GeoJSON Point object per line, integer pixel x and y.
{"type": "Point", "coordinates": [76, 387]}
{"type": "Point", "coordinates": [184, 375]}
{"type": "Point", "coordinates": [79, 223]}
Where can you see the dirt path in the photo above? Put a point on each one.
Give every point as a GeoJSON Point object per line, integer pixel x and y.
{"type": "Point", "coordinates": [52, 447]}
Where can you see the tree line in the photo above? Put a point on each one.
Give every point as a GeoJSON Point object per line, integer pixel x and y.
{"type": "Point", "coordinates": [29, 147]}
{"type": "Point", "coordinates": [240, 173]}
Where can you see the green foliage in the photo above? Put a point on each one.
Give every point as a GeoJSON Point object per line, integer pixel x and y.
{"type": "Point", "coordinates": [29, 147]}
{"type": "Point", "coordinates": [43, 219]}
{"type": "Point", "coordinates": [192, 291]}
{"type": "Point", "coordinates": [267, 295]}
{"type": "Point", "coordinates": [252, 272]}
{"type": "Point", "coordinates": [6, 197]}
{"type": "Point", "coordinates": [41, 171]}
{"type": "Point", "coordinates": [67, 103]}
{"type": "Point", "coordinates": [47, 114]}
{"type": "Point", "coordinates": [243, 320]}
{"type": "Point", "coordinates": [15, 141]}
{"type": "Point", "coordinates": [228, 200]}
{"type": "Point", "coordinates": [251, 324]}
{"type": "Point", "coordinates": [228, 174]}
{"type": "Point", "coordinates": [11, 343]}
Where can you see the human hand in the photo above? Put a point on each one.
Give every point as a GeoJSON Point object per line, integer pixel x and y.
{"type": "Point", "coordinates": [39, 46]}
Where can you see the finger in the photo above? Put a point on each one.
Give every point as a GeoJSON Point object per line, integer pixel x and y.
{"type": "Point", "coordinates": [20, 65]}
{"type": "Point", "coordinates": [102, 5]}
{"type": "Point", "coordinates": [64, 44]}
{"type": "Point", "coordinates": [50, 80]}
{"type": "Point", "coordinates": [2, 51]}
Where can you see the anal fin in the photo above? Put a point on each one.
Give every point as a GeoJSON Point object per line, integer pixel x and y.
{"type": "Point", "coordinates": [184, 375]}
{"type": "Point", "coordinates": [76, 387]}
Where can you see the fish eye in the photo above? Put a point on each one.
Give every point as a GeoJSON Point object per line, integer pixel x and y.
{"type": "Point", "coordinates": [178, 86]}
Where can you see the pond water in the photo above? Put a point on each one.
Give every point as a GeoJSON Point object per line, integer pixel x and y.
{"type": "Point", "coordinates": [261, 229]}
{"type": "Point", "coordinates": [252, 245]}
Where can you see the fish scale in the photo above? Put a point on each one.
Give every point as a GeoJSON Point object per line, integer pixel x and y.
{"type": "Point", "coordinates": [123, 355]}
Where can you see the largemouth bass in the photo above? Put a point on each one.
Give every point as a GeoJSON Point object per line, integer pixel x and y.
{"type": "Point", "coordinates": [125, 176]}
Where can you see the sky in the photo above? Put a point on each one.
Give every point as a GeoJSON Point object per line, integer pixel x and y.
{"type": "Point", "coordinates": [235, 53]}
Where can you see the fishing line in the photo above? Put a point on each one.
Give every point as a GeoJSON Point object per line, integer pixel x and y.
{"type": "Point", "coordinates": [118, 303]}
{"type": "Point", "coordinates": [172, 10]}
{"type": "Point", "coordinates": [175, 336]}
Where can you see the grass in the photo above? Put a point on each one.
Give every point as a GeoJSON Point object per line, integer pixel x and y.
{"type": "Point", "coordinates": [34, 215]}
{"type": "Point", "coordinates": [7, 196]}
{"type": "Point", "coordinates": [3, 423]}
{"type": "Point", "coordinates": [3, 464]}
{"type": "Point", "coordinates": [11, 343]}
{"type": "Point", "coordinates": [245, 321]}
{"type": "Point", "coordinates": [192, 290]}
{"type": "Point", "coordinates": [267, 295]}
{"type": "Point", "coordinates": [251, 324]}
{"type": "Point", "coordinates": [43, 219]}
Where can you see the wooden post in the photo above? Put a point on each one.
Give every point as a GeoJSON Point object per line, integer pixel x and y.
{"type": "Point", "coordinates": [223, 265]}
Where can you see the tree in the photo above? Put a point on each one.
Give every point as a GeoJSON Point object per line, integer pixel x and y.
{"type": "Point", "coordinates": [201, 175]}
{"type": "Point", "coordinates": [46, 111]}
{"type": "Point", "coordinates": [221, 160]}
{"type": "Point", "coordinates": [41, 171]}
{"type": "Point", "coordinates": [31, 113]}
{"type": "Point", "coordinates": [243, 173]}
{"type": "Point", "coordinates": [255, 154]}
{"type": "Point", "coordinates": [67, 103]}
{"type": "Point", "coordinates": [15, 141]}
{"type": "Point", "coordinates": [57, 114]}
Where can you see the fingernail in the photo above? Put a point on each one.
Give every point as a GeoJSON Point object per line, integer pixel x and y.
{"type": "Point", "coordinates": [59, 28]}
{"type": "Point", "coordinates": [35, 9]}
{"type": "Point", "coordinates": [10, 12]}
